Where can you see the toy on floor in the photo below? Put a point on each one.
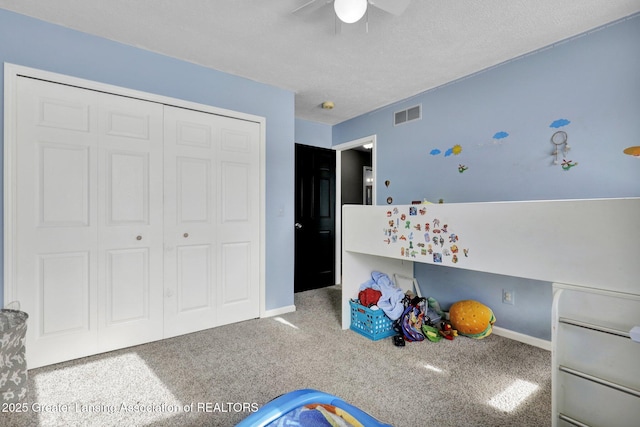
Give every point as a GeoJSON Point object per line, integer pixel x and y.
{"type": "Point", "coordinates": [472, 319]}
{"type": "Point", "coordinates": [308, 407]}
{"type": "Point", "coordinates": [447, 331]}
{"type": "Point", "coordinates": [431, 333]}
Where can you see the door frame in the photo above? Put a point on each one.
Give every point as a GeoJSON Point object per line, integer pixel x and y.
{"type": "Point", "coordinates": [371, 139]}
{"type": "Point", "coordinates": [11, 74]}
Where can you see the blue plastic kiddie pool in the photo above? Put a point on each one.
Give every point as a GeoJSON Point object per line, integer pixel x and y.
{"type": "Point", "coordinates": [309, 407]}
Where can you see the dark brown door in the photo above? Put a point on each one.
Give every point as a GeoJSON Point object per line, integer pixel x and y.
{"type": "Point", "coordinates": [315, 200]}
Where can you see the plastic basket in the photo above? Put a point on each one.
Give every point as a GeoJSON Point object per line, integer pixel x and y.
{"type": "Point", "coordinates": [373, 324]}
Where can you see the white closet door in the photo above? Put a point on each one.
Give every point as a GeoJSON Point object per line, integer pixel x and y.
{"type": "Point", "coordinates": [132, 221]}
{"type": "Point", "coordinates": [130, 281]}
{"type": "Point", "coordinates": [89, 180]}
{"type": "Point", "coordinates": [238, 227]}
{"type": "Point", "coordinates": [56, 219]}
{"type": "Point", "coordinates": [211, 220]}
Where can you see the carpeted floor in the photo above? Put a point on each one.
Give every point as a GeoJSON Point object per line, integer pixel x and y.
{"type": "Point", "coordinates": [216, 377]}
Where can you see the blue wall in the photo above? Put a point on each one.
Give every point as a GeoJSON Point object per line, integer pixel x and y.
{"type": "Point", "coordinates": [591, 81]}
{"type": "Point", "coordinates": [313, 134]}
{"type": "Point", "coordinates": [33, 43]}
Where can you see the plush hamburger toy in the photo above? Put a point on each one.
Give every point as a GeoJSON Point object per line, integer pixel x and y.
{"type": "Point", "coordinates": [471, 318]}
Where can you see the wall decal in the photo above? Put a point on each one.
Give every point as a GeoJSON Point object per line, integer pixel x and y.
{"type": "Point", "coordinates": [559, 139]}
{"type": "Point", "coordinates": [559, 123]}
{"type": "Point", "coordinates": [632, 151]}
{"type": "Point", "coordinates": [428, 238]}
{"type": "Point", "coordinates": [568, 164]}
{"type": "Point", "coordinates": [455, 150]}
{"type": "Point", "coordinates": [498, 138]}
{"type": "Point", "coordinates": [462, 168]}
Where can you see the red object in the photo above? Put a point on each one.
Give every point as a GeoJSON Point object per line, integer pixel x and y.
{"type": "Point", "coordinates": [369, 297]}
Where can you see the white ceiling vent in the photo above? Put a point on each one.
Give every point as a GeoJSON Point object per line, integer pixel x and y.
{"type": "Point", "coordinates": [408, 115]}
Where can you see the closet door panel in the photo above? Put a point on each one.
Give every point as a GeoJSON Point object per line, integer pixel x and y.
{"type": "Point", "coordinates": [239, 220]}
{"type": "Point", "coordinates": [127, 286]}
{"type": "Point", "coordinates": [214, 204]}
{"type": "Point", "coordinates": [63, 166]}
{"type": "Point", "coordinates": [194, 278]}
{"type": "Point", "coordinates": [236, 278]}
{"type": "Point", "coordinates": [189, 170]}
{"type": "Point", "coordinates": [55, 219]}
{"type": "Point", "coordinates": [127, 180]}
{"type": "Point", "coordinates": [63, 287]}
{"type": "Point", "coordinates": [130, 222]}
{"type": "Point", "coordinates": [193, 197]}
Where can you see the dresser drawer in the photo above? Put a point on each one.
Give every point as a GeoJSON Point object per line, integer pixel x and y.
{"type": "Point", "coordinates": [604, 355]}
{"type": "Point", "coordinates": [609, 309]}
{"type": "Point", "coordinates": [594, 404]}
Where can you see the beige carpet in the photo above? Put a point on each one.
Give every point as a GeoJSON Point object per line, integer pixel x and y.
{"type": "Point", "coordinates": [216, 377]}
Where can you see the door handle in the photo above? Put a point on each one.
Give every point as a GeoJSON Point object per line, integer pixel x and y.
{"type": "Point", "coordinates": [298, 226]}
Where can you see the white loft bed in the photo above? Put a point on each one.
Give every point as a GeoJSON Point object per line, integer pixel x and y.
{"type": "Point", "coordinates": [590, 251]}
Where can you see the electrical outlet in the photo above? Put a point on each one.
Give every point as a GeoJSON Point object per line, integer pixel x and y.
{"type": "Point", "coordinates": [508, 296]}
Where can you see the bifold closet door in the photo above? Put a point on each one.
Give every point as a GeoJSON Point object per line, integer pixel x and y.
{"type": "Point", "coordinates": [88, 220]}
{"type": "Point", "coordinates": [130, 222]}
{"type": "Point", "coordinates": [134, 221]}
{"type": "Point", "coordinates": [212, 234]}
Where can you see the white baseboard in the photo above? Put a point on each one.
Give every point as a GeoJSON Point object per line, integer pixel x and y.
{"type": "Point", "coordinates": [527, 339]}
{"type": "Point", "coordinates": [279, 311]}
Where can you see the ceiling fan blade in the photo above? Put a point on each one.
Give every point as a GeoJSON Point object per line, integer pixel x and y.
{"type": "Point", "coordinates": [395, 7]}
{"type": "Point", "coordinates": [311, 6]}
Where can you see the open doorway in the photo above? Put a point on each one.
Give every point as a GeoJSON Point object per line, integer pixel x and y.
{"type": "Point", "coordinates": [315, 208]}
{"type": "Point", "coordinates": [352, 170]}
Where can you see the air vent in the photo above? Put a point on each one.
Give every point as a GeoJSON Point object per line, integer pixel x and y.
{"type": "Point", "coordinates": [408, 115]}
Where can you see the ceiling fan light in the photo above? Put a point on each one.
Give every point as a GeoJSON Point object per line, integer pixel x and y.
{"type": "Point", "coordinates": [350, 11]}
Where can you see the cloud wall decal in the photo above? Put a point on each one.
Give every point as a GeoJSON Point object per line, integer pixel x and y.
{"type": "Point", "coordinates": [559, 123]}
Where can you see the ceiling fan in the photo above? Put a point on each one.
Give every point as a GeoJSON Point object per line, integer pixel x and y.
{"type": "Point", "coordinates": [350, 11]}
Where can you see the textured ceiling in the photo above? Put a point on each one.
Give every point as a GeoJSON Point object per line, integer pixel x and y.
{"type": "Point", "coordinates": [434, 42]}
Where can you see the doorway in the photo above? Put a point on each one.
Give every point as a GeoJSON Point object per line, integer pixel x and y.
{"type": "Point", "coordinates": [311, 270]}
{"type": "Point", "coordinates": [315, 202]}
{"type": "Point", "coordinates": [343, 151]}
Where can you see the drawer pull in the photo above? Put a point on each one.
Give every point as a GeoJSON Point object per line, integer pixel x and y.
{"type": "Point", "coordinates": [594, 327]}
{"type": "Point", "coordinates": [572, 421]}
{"type": "Point", "coordinates": [600, 381]}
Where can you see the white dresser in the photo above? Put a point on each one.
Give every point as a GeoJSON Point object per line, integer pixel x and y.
{"type": "Point", "coordinates": [596, 365]}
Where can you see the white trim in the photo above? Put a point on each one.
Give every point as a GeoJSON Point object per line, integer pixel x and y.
{"type": "Point", "coordinates": [279, 311]}
{"type": "Point", "coordinates": [19, 70]}
{"type": "Point", "coordinates": [527, 339]}
{"type": "Point", "coordinates": [11, 74]}
{"type": "Point", "coordinates": [371, 139]}
{"type": "Point", "coordinates": [10, 97]}
{"type": "Point", "coordinates": [597, 291]}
